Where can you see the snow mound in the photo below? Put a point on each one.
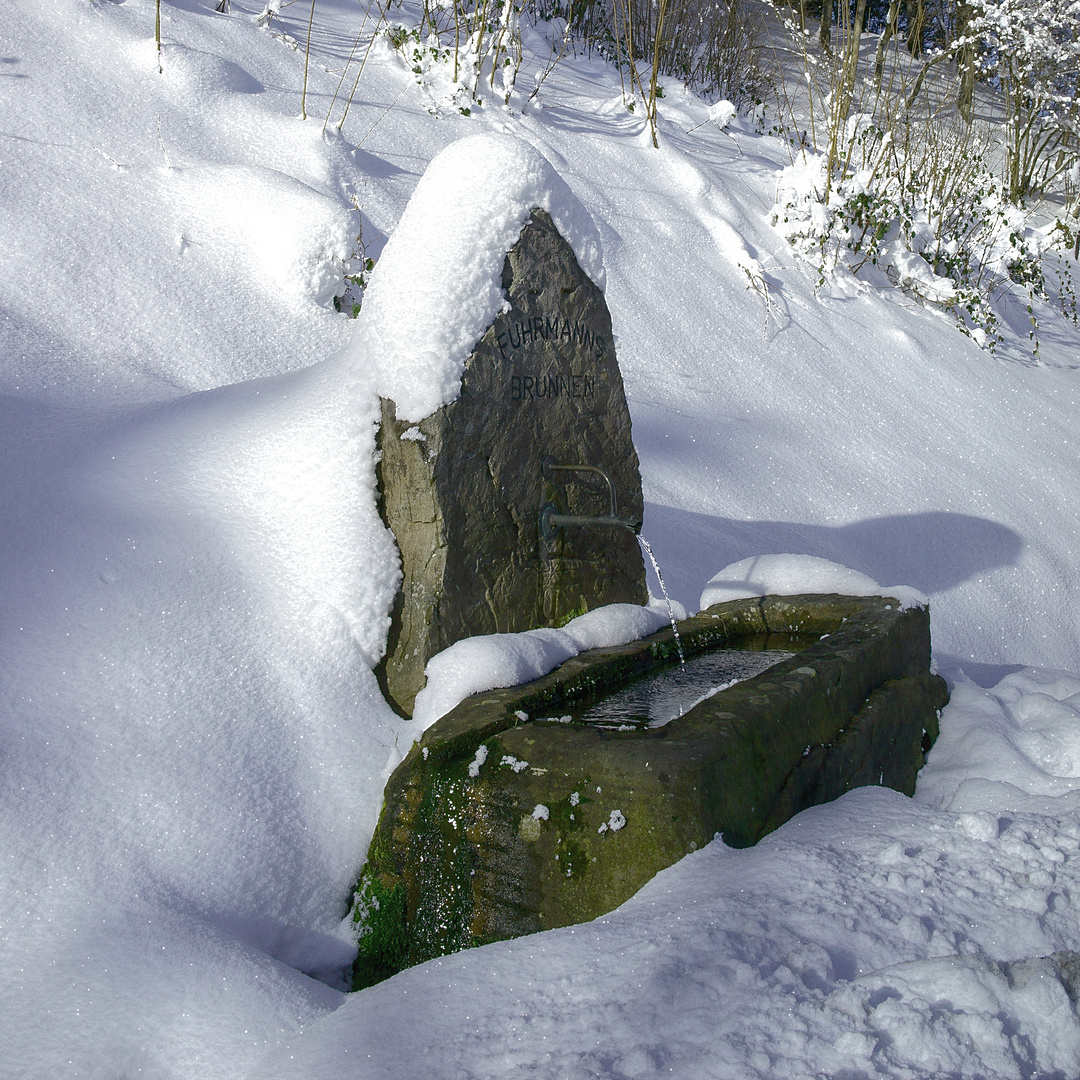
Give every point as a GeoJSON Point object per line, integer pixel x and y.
{"type": "Point", "coordinates": [236, 211]}
{"type": "Point", "coordinates": [438, 283]}
{"type": "Point", "coordinates": [476, 664]}
{"type": "Point", "coordinates": [792, 575]}
{"type": "Point", "coordinates": [1015, 747]}
{"type": "Point", "coordinates": [194, 595]}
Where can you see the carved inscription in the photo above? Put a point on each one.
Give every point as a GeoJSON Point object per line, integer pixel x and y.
{"type": "Point", "coordinates": [544, 387]}
{"type": "Point", "coordinates": [521, 333]}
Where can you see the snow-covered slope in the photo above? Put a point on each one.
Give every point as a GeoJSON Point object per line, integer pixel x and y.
{"type": "Point", "coordinates": [195, 581]}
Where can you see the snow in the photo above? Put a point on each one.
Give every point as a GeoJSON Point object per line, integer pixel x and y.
{"type": "Point", "coordinates": [190, 714]}
{"type": "Point", "coordinates": [485, 662]}
{"type": "Point", "coordinates": [1013, 747]}
{"type": "Point", "coordinates": [790, 575]}
{"type": "Point", "coordinates": [478, 760]}
{"type": "Point", "coordinates": [195, 581]}
{"type": "Point", "coordinates": [722, 113]}
{"type": "Point", "coordinates": [438, 283]}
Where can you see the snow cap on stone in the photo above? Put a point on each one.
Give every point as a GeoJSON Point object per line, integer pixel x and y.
{"type": "Point", "coordinates": [438, 283]}
{"type": "Point", "coordinates": [792, 575]}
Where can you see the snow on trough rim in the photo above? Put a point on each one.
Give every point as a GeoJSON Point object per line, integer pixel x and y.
{"type": "Point", "coordinates": [476, 664]}
{"type": "Point", "coordinates": [438, 284]}
{"type": "Point", "coordinates": [792, 575]}
{"type": "Point", "coordinates": [489, 661]}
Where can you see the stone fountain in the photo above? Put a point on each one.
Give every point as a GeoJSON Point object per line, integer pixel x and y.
{"type": "Point", "coordinates": [514, 506]}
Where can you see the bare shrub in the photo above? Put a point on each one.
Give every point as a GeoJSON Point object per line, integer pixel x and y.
{"type": "Point", "coordinates": [714, 46]}
{"type": "Point", "coordinates": [894, 174]}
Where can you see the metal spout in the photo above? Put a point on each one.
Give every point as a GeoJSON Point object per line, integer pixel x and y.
{"type": "Point", "coordinates": [551, 519]}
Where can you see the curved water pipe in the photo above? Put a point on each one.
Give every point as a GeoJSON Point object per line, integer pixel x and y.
{"type": "Point", "coordinates": [551, 519]}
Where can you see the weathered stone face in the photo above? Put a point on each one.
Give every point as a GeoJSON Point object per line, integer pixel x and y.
{"type": "Point", "coordinates": [463, 489]}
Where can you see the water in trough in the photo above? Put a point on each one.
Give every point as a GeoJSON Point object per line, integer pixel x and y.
{"type": "Point", "coordinates": [666, 693]}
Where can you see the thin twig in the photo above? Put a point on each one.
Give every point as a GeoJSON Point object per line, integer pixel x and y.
{"type": "Point", "coordinates": [384, 112]}
{"type": "Point", "coordinates": [161, 139]}
{"type": "Point", "coordinates": [367, 52]}
{"type": "Point", "coordinates": [307, 53]}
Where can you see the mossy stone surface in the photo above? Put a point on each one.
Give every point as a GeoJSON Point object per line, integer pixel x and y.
{"type": "Point", "coordinates": [565, 821]}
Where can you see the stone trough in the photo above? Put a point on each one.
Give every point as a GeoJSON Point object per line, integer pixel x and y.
{"type": "Point", "coordinates": [509, 816]}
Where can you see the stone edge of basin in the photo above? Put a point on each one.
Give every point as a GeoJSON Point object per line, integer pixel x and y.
{"type": "Point", "coordinates": [454, 861]}
{"type": "Point", "coordinates": [462, 730]}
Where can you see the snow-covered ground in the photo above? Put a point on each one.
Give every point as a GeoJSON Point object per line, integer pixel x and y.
{"type": "Point", "coordinates": [858, 940]}
{"type": "Point", "coordinates": [194, 585]}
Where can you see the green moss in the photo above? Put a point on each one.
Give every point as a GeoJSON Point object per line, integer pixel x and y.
{"type": "Point", "coordinates": [581, 609]}
{"type": "Point", "coordinates": [444, 862]}
{"type": "Point", "coordinates": [568, 814]}
{"type": "Point", "coordinates": [378, 912]}
{"type": "Point", "coordinates": [572, 858]}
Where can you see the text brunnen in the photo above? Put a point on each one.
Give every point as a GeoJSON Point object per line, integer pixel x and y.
{"type": "Point", "coordinates": [523, 332]}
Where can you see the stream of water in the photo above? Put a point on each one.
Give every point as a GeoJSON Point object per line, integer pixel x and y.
{"type": "Point", "coordinates": [663, 588]}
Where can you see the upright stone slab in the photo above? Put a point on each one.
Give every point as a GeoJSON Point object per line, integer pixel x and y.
{"type": "Point", "coordinates": [463, 489]}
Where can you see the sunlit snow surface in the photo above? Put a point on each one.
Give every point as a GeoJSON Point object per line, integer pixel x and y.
{"type": "Point", "coordinates": [194, 583]}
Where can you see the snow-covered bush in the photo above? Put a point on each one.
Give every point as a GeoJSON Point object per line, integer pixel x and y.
{"type": "Point", "coordinates": [459, 52]}
{"type": "Point", "coordinates": [932, 216]}
{"type": "Point", "coordinates": [1029, 51]}
{"type": "Point", "coordinates": [893, 174]}
{"type": "Point", "coordinates": [355, 270]}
